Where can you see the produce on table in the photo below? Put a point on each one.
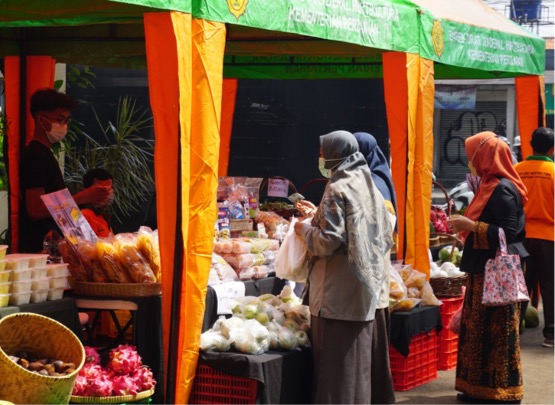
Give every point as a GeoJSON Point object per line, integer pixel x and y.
{"type": "Point", "coordinates": [124, 375]}
{"type": "Point", "coordinates": [261, 323]}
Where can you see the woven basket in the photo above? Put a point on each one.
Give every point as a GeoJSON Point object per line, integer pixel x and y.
{"type": "Point", "coordinates": [119, 290]}
{"type": "Point", "coordinates": [448, 286]}
{"type": "Point", "coordinates": [46, 338]}
{"type": "Point", "coordinates": [121, 399]}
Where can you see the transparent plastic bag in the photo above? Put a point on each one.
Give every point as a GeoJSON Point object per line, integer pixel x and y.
{"type": "Point", "coordinates": [291, 261]}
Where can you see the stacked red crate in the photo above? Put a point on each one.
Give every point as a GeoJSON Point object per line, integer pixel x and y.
{"type": "Point", "coordinates": [419, 367]}
{"type": "Point", "coordinates": [216, 387]}
{"type": "Point", "coordinates": [448, 341]}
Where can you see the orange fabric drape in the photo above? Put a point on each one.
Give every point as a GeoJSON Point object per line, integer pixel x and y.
{"type": "Point", "coordinates": [161, 51]}
{"type": "Point", "coordinates": [530, 106]}
{"type": "Point", "coordinates": [229, 93]}
{"type": "Point", "coordinates": [396, 100]}
{"type": "Point", "coordinates": [409, 94]}
{"type": "Point", "coordinates": [207, 75]}
{"type": "Point", "coordinates": [39, 74]}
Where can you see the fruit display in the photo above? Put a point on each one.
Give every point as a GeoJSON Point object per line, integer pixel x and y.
{"type": "Point", "coordinates": [438, 220]}
{"type": "Point", "coordinates": [124, 374]}
{"type": "Point", "coordinates": [259, 324]}
{"type": "Point", "coordinates": [408, 288]}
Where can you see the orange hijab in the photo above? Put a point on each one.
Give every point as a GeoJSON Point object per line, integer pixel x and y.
{"type": "Point", "coordinates": [491, 157]}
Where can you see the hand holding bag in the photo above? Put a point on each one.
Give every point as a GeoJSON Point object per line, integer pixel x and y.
{"type": "Point", "coordinates": [292, 259]}
{"type": "Point", "coordinates": [503, 278]}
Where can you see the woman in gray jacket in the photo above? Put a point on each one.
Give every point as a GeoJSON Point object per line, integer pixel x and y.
{"type": "Point", "coordinates": [347, 239]}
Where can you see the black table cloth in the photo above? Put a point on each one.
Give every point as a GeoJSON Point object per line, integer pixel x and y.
{"type": "Point", "coordinates": [407, 324]}
{"type": "Point", "coordinates": [285, 377]}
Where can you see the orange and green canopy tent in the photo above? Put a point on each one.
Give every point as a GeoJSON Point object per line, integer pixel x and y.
{"type": "Point", "coordinates": [190, 46]}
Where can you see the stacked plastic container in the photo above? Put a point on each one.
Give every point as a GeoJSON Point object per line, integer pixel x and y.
{"type": "Point", "coordinates": [448, 340]}
{"type": "Point", "coordinates": [29, 279]}
{"type": "Point", "coordinates": [5, 278]}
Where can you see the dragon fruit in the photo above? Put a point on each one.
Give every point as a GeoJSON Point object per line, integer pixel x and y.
{"type": "Point", "coordinates": [124, 359]}
{"type": "Point", "coordinates": [144, 378]}
{"type": "Point", "coordinates": [91, 355]}
{"type": "Point", "coordinates": [124, 385]}
{"type": "Point", "coordinates": [91, 371]}
{"type": "Point", "coordinates": [101, 386]}
{"type": "Point", "coordinates": [80, 387]}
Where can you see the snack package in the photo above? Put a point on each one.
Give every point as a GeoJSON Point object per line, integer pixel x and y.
{"type": "Point", "coordinates": [222, 269]}
{"type": "Point", "coordinates": [239, 246]}
{"type": "Point", "coordinates": [397, 289]}
{"type": "Point", "coordinates": [107, 255]}
{"type": "Point", "coordinates": [245, 260]}
{"type": "Point", "coordinates": [71, 257]}
{"type": "Point", "coordinates": [415, 279]}
{"type": "Point", "coordinates": [274, 223]}
{"type": "Point", "coordinates": [134, 263]}
{"type": "Point", "coordinates": [147, 244]}
{"type": "Point", "coordinates": [428, 296]}
{"type": "Point", "coordinates": [406, 304]}
{"type": "Point", "coordinates": [88, 255]}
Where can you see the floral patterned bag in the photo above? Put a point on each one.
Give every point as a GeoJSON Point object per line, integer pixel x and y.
{"type": "Point", "coordinates": [503, 279]}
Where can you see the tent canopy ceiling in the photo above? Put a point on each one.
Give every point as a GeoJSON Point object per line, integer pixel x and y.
{"type": "Point", "coordinates": [285, 38]}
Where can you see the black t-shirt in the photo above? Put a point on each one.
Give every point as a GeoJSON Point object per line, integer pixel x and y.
{"type": "Point", "coordinates": [38, 168]}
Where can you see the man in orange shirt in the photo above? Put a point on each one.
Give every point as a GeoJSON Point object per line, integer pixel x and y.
{"type": "Point", "coordinates": [97, 215]}
{"type": "Point", "coordinates": [537, 174]}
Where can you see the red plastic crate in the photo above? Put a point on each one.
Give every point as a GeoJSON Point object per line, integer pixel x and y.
{"type": "Point", "coordinates": [447, 361]}
{"type": "Point", "coordinates": [420, 366]}
{"type": "Point", "coordinates": [448, 345]}
{"type": "Point", "coordinates": [216, 387]}
{"type": "Point", "coordinates": [447, 334]}
{"type": "Point", "coordinates": [450, 305]}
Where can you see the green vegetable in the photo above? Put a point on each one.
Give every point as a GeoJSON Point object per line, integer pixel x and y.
{"type": "Point", "coordinates": [531, 318]}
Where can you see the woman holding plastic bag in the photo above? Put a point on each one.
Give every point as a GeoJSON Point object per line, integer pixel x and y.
{"type": "Point", "coordinates": [347, 239]}
{"type": "Point", "coordinates": [488, 366]}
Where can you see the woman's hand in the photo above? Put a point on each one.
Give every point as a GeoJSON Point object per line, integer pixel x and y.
{"type": "Point", "coordinates": [459, 223]}
{"type": "Point", "coordinates": [306, 208]}
{"type": "Point", "coordinates": [298, 227]}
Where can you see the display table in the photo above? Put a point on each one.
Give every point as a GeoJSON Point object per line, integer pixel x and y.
{"type": "Point", "coordinates": [269, 285]}
{"type": "Point", "coordinates": [147, 329]}
{"type": "Point", "coordinates": [285, 376]}
{"type": "Point", "coordinates": [63, 310]}
{"type": "Point", "coordinates": [407, 324]}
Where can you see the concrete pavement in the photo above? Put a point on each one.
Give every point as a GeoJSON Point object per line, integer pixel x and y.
{"type": "Point", "coordinates": [538, 376]}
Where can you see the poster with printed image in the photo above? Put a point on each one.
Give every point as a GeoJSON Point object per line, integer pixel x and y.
{"type": "Point", "coordinates": [68, 216]}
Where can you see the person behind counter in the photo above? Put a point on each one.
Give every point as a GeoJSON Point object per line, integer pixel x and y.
{"type": "Point", "coordinates": [488, 367]}
{"type": "Point", "coordinates": [40, 172]}
{"type": "Point", "coordinates": [97, 215]}
{"type": "Point", "coordinates": [381, 369]}
{"type": "Point", "coordinates": [347, 239]}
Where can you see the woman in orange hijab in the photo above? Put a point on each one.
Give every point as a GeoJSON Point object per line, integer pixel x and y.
{"type": "Point", "coordinates": [488, 367]}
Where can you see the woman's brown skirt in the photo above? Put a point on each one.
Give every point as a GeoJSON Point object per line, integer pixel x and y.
{"type": "Point", "coordinates": [342, 361]}
{"type": "Point", "coordinates": [488, 365]}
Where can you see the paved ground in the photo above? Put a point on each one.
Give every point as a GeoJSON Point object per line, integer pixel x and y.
{"type": "Point", "coordinates": [537, 363]}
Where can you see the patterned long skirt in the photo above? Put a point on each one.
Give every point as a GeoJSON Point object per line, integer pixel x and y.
{"type": "Point", "coordinates": [488, 365]}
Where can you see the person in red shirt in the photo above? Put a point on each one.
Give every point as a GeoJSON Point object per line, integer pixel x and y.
{"type": "Point", "coordinates": [97, 215]}
{"type": "Point", "coordinates": [537, 174]}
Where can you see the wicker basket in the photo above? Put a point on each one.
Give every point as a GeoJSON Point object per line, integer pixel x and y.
{"type": "Point", "coordinates": [448, 286]}
{"type": "Point", "coordinates": [121, 399]}
{"type": "Point", "coordinates": [45, 337]}
{"type": "Point", "coordinates": [119, 290]}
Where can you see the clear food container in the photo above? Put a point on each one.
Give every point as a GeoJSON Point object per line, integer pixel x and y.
{"type": "Point", "coordinates": [21, 286]}
{"type": "Point", "coordinates": [4, 300]}
{"type": "Point", "coordinates": [39, 296]}
{"type": "Point", "coordinates": [3, 251]}
{"type": "Point", "coordinates": [38, 260]}
{"type": "Point", "coordinates": [2, 264]}
{"type": "Point", "coordinates": [39, 273]}
{"type": "Point", "coordinates": [55, 294]}
{"type": "Point", "coordinates": [58, 282]}
{"type": "Point", "coordinates": [39, 285]}
{"type": "Point", "coordinates": [5, 276]}
{"type": "Point", "coordinates": [20, 298]}
{"type": "Point", "coordinates": [22, 275]}
{"type": "Point", "coordinates": [5, 287]}
{"type": "Point", "coordinates": [17, 261]}
{"type": "Point", "coordinates": [57, 269]}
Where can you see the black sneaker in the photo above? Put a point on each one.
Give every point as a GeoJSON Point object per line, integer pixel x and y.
{"type": "Point", "coordinates": [547, 342]}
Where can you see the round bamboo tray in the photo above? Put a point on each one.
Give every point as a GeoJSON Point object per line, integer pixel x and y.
{"type": "Point", "coordinates": [44, 337]}
{"type": "Point", "coordinates": [119, 399]}
{"type": "Point", "coordinates": [120, 290]}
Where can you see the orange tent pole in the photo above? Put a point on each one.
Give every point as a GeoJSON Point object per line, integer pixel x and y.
{"type": "Point", "coordinates": [40, 74]}
{"type": "Point", "coordinates": [530, 105]}
{"type": "Point", "coordinates": [161, 52]}
{"type": "Point", "coordinates": [207, 75]}
{"type": "Point", "coordinates": [229, 94]}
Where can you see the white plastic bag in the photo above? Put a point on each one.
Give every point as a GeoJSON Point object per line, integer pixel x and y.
{"type": "Point", "coordinates": [291, 259]}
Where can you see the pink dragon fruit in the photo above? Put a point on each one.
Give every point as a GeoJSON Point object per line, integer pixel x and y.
{"type": "Point", "coordinates": [81, 385]}
{"type": "Point", "coordinates": [101, 386]}
{"type": "Point", "coordinates": [91, 371]}
{"type": "Point", "coordinates": [124, 385]}
{"type": "Point", "coordinates": [124, 359]}
{"type": "Point", "coordinates": [91, 355]}
{"type": "Point", "coordinates": [144, 378]}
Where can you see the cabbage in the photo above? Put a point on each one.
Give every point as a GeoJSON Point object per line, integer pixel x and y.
{"type": "Point", "coordinates": [249, 311]}
{"type": "Point", "coordinates": [302, 339]}
{"type": "Point", "coordinates": [287, 340]}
